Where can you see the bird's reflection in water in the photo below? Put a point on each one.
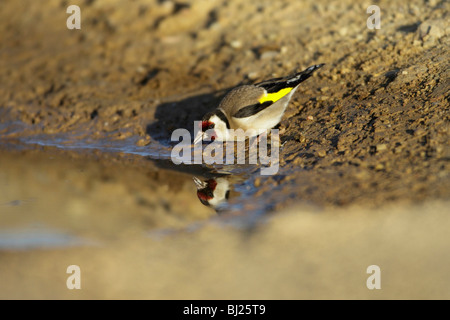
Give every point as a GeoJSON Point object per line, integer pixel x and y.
{"type": "Point", "coordinates": [215, 192]}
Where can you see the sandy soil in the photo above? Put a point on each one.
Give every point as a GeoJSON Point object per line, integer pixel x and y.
{"type": "Point", "coordinates": [364, 170]}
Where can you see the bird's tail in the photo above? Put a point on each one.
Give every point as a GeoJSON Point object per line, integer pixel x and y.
{"type": "Point", "coordinates": [302, 76]}
{"type": "Point", "coordinates": [275, 85]}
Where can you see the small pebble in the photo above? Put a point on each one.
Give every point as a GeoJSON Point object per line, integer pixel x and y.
{"type": "Point", "coordinates": [268, 55]}
{"type": "Point", "coordinates": [381, 147]}
{"type": "Point", "coordinates": [321, 153]}
{"type": "Point", "coordinates": [252, 75]}
{"type": "Point", "coordinates": [236, 44]}
{"type": "Point", "coordinates": [124, 135]}
{"type": "Point", "coordinates": [419, 132]}
{"type": "Point", "coordinates": [143, 141]}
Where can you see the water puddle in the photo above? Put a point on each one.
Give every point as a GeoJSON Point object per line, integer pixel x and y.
{"type": "Point", "coordinates": [155, 151]}
{"type": "Point", "coordinates": [227, 191]}
{"type": "Point", "coordinates": [219, 181]}
{"type": "Point", "coordinates": [42, 238]}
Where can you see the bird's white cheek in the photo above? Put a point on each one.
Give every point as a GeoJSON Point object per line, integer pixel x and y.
{"type": "Point", "coordinates": [221, 135]}
{"type": "Point", "coordinates": [218, 136]}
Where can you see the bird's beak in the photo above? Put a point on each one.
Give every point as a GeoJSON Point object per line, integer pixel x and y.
{"type": "Point", "coordinates": [199, 183]}
{"type": "Point", "coordinates": [199, 137]}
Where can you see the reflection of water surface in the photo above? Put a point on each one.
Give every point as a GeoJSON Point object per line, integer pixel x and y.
{"type": "Point", "coordinates": [238, 177]}
{"type": "Point", "coordinates": [45, 238]}
{"type": "Point", "coordinates": [233, 194]}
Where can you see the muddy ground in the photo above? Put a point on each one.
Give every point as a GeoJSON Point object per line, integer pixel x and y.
{"type": "Point", "coordinates": [86, 118]}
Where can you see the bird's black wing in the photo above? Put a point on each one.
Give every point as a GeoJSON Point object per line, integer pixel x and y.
{"type": "Point", "coordinates": [252, 109]}
{"type": "Point", "coordinates": [274, 86]}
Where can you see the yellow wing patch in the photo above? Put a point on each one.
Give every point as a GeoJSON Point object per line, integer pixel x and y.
{"type": "Point", "coordinates": [275, 96]}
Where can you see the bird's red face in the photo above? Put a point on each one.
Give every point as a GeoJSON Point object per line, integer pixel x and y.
{"type": "Point", "coordinates": [207, 193]}
{"type": "Point", "coordinates": [209, 125]}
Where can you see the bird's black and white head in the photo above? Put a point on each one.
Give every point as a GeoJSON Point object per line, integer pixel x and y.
{"type": "Point", "coordinates": [213, 192]}
{"type": "Point", "coordinates": [214, 126]}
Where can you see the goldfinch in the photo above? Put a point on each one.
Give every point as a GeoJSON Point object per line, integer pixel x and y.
{"type": "Point", "coordinates": [257, 107]}
{"type": "Point", "coordinates": [213, 192]}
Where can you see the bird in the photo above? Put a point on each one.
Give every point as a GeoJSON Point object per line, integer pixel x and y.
{"type": "Point", "coordinates": [216, 190]}
{"type": "Point", "coordinates": [213, 192]}
{"type": "Point", "coordinates": [252, 108]}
